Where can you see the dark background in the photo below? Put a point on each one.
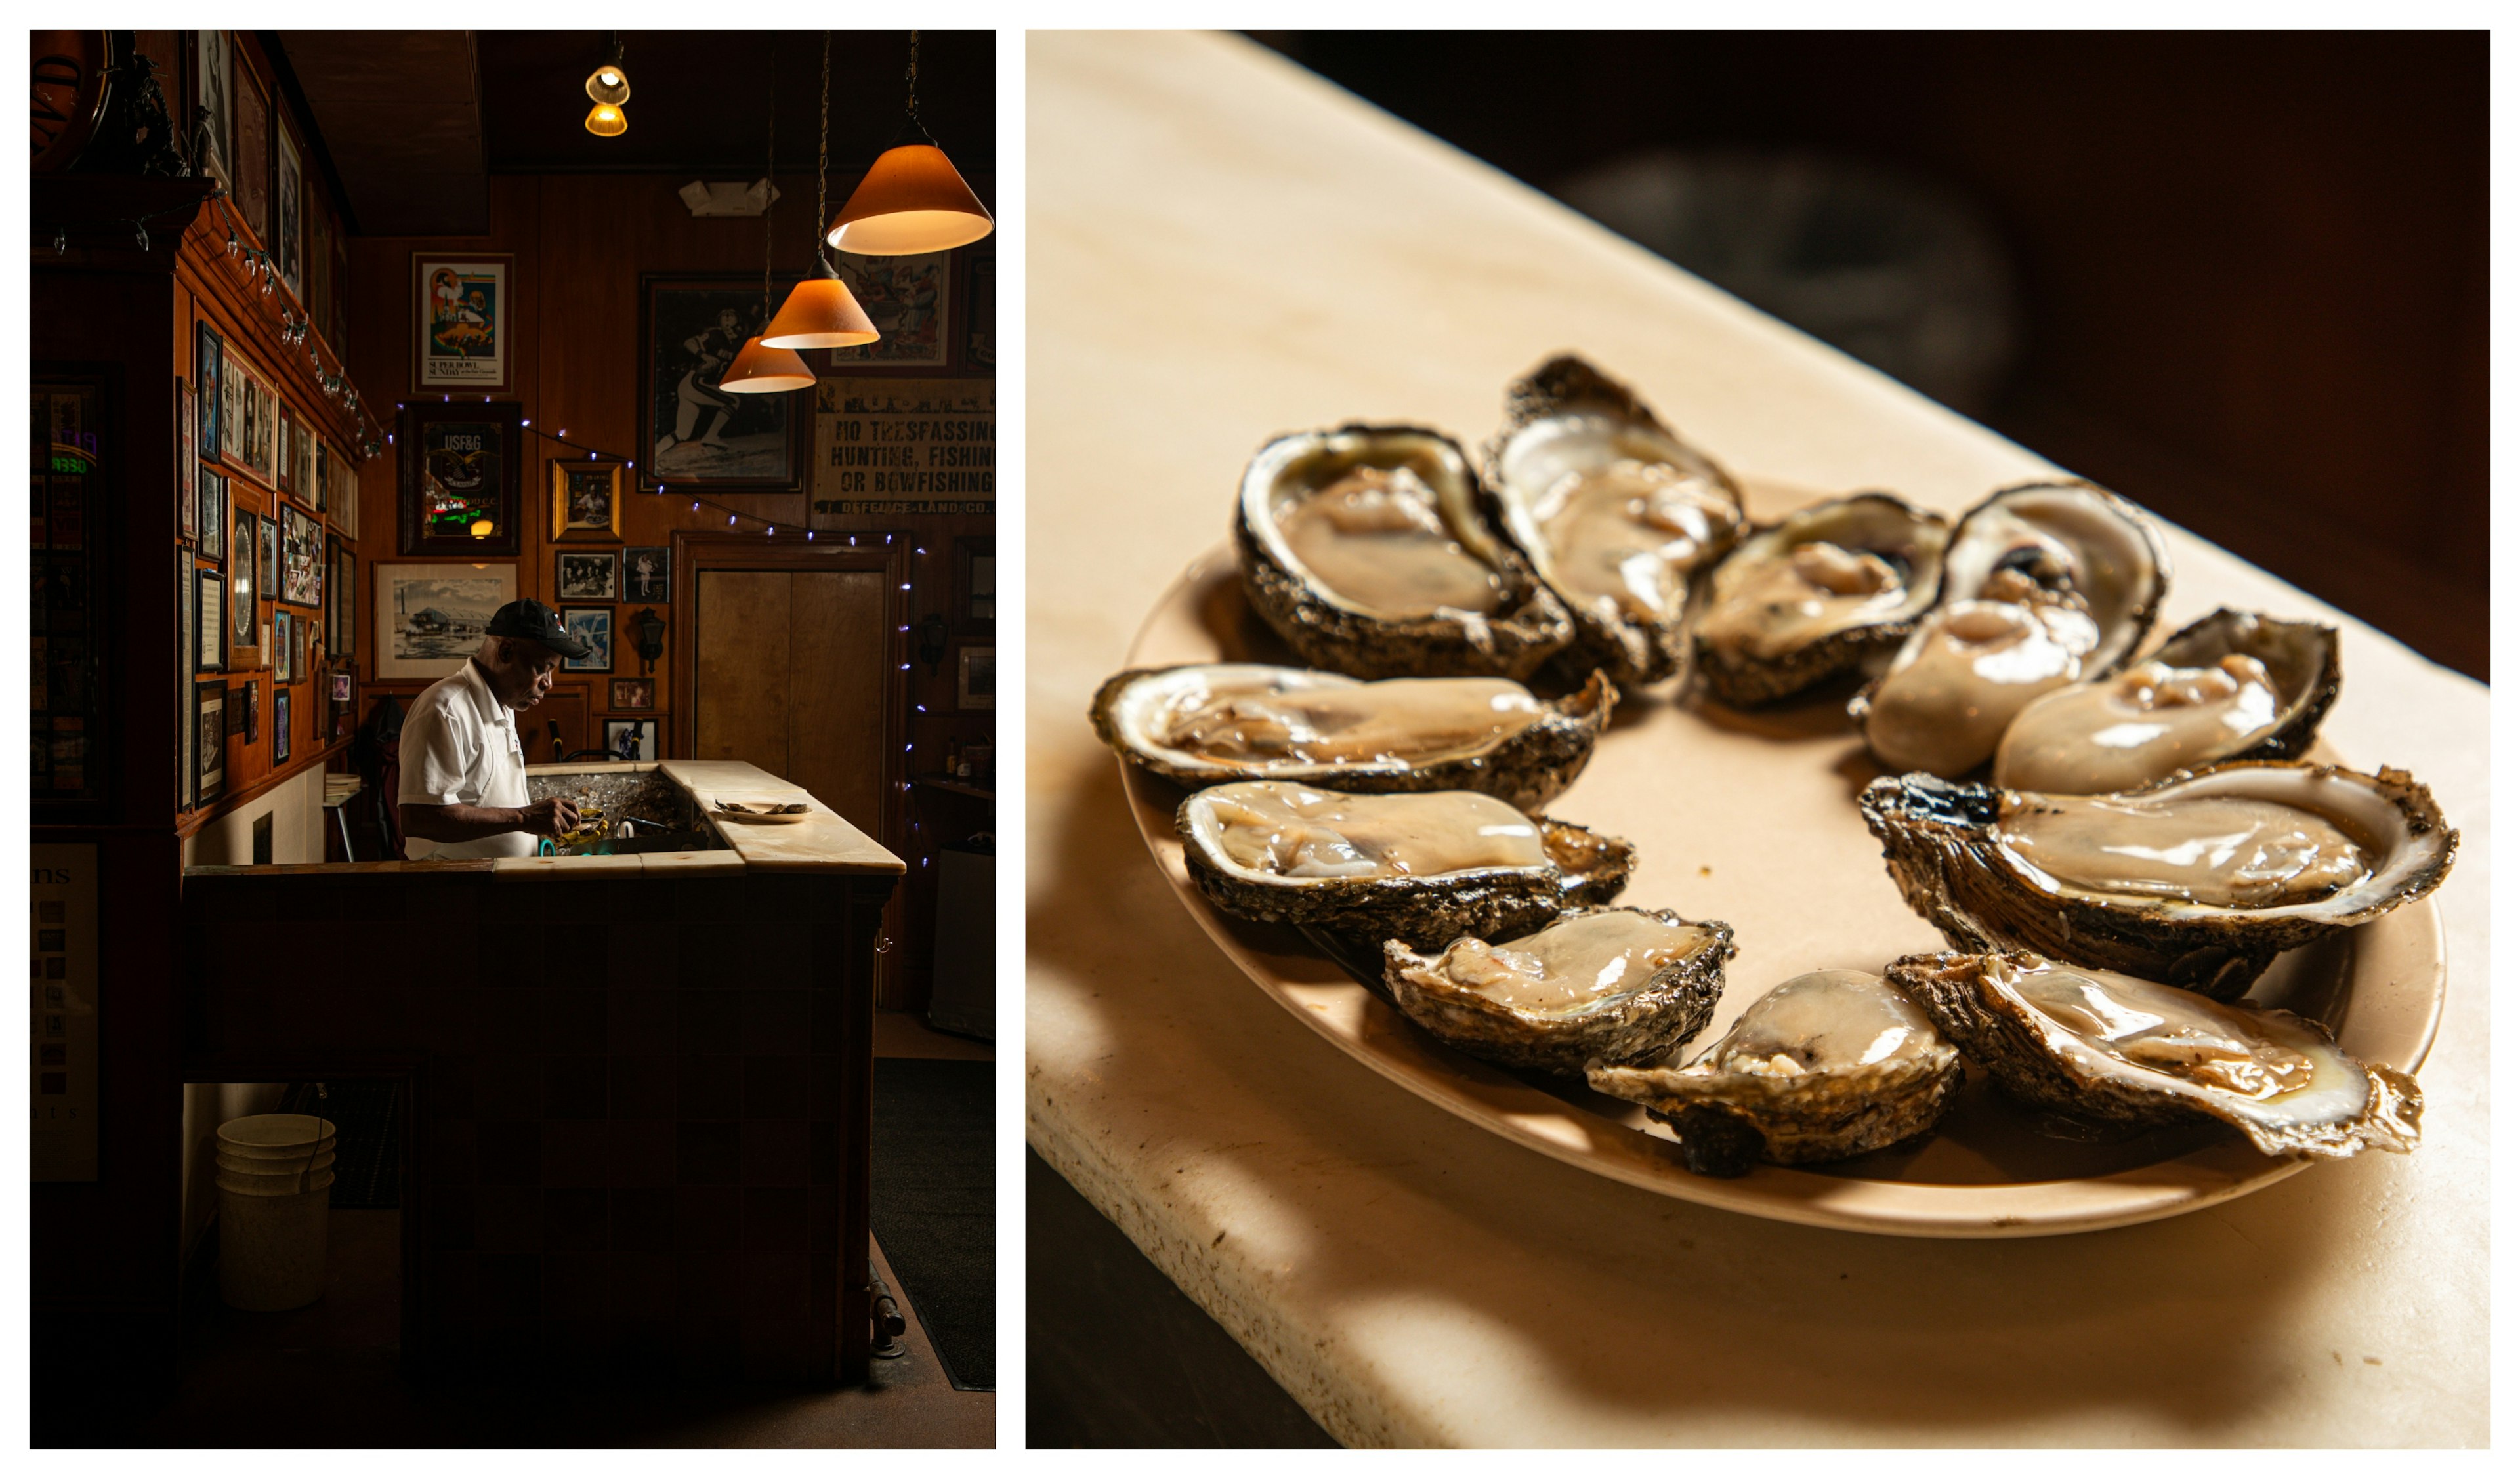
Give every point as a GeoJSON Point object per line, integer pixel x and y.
{"type": "Point", "coordinates": [2246, 274]}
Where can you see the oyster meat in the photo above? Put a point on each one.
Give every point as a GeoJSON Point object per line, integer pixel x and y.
{"type": "Point", "coordinates": [1826, 591]}
{"type": "Point", "coordinates": [2233, 685]}
{"type": "Point", "coordinates": [1829, 1064]}
{"type": "Point", "coordinates": [2043, 585]}
{"type": "Point", "coordinates": [2108, 1048]}
{"type": "Point", "coordinates": [1612, 510]}
{"type": "Point", "coordinates": [1423, 868]}
{"type": "Point", "coordinates": [1363, 547]}
{"type": "Point", "coordinates": [1212, 722]}
{"type": "Point", "coordinates": [1620, 985]}
{"type": "Point", "coordinates": [2198, 881]}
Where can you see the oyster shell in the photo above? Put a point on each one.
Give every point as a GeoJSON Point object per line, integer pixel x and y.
{"type": "Point", "coordinates": [2197, 881]}
{"type": "Point", "coordinates": [2231, 685]}
{"type": "Point", "coordinates": [1822, 593]}
{"type": "Point", "coordinates": [1622, 985]}
{"type": "Point", "coordinates": [1423, 868]}
{"type": "Point", "coordinates": [1612, 510]}
{"type": "Point", "coordinates": [1829, 1064]}
{"type": "Point", "coordinates": [1363, 547]}
{"type": "Point", "coordinates": [2043, 585]}
{"type": "Point", "coordinates": [2109, 1048]}
{"type": "Point", "coordinates": [1207, 723]}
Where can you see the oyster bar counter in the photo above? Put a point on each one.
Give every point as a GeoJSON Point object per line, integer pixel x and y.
{"type": "Point", "coordinates": [639, 1071]}
{"type": "Point", "coordinates": [1364, 1187]}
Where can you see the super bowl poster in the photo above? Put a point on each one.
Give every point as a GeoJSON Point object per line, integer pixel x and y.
{"type": "Point", "coordinates": [463, 330]}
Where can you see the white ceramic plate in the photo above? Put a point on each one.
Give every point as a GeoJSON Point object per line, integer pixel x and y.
{"type": "Point", "coordinates": [1751, 819]}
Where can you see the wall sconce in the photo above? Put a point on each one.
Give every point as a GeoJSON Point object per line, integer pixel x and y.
{"type": "Point", "coordinates": [648, 636]}
{"type": "Point", "coordinates": [932, 633]}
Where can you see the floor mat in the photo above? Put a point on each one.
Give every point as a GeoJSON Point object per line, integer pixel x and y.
{"type": "Point", "coordinates": [367, 1145]}
{"type": "Point", "coordinates": [935, 1205]}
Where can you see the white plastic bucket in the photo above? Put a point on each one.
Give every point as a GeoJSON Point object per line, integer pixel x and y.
{"type": "Point", "coordinates": [275, 1175]}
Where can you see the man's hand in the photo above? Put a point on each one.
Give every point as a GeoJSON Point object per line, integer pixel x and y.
{"type": "Point", "coordinates": [549, 818]}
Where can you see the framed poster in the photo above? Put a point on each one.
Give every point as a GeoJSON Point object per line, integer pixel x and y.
{"type": "Point", "coordinates": [976, 678]}
{"type": "Point", "coordinates": [634, 694]}
{"type": "Point", "coordinates": [461, 341]}
{"type": "Point", "coordinates": [460, 476]}
{"type": "Point", "coordinates": [188, 467]}
{"type": "Point", "coordinates": [980, 326]}
{"type": "Point", "coordinates": [210, 145]}
{"type": "Point", "coordinates": [245, 632]}
{"type": "Point", "coordinates": [593, 624]}
{"type": "Point", "coordinates": [284, 470]}
{"type": "Point", "coordinates": [278, 726]}
{"type": "Point", "coordinates": [209, 742]}
{"type": "Point", "coordinates": [288, 235]}
{"type": "Point", "coordinates": [266, 568]}
{"type": "Point", "coordinates": [210, 623]}
{"type": "Point", "coordinates": [214, 543]}
{"type": "Point", "coordinates": [903, 445]}
{"type": "Point", "coordinates": [908, 298]}
{"type": "Point", "coordinates": [586, 499]}
{"type": "Point", "coordinates": [284, 648]}
{"type": "Point", "coordinates": [252, 186]}
{"type": "Point", "coordinates": [301, 451]}
{"type": "Point", "coordinates": [206, 350]}
{"type": "Point", "coordinates": [631, 739]}
{"type": "Point", "coordinates": [698, 436]}
{"type": "Point", "coordinates": [587, 576]}
{"type": "Point", "coordinates": [648, 574]}
{"type": "Point", "coordinates": [231, 411]}
{"type": "Point", "coordinates": [430, 618]}
{"type": "Point", "coordinates": [345, 496]}
{"type": "Point", "coordinates": [301, 558]}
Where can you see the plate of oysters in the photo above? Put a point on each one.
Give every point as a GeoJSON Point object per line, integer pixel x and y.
{"type": "Point", "coordinates": [1804, 853]}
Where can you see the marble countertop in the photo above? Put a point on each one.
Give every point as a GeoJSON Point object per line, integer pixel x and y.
{"type": "Point", "coordinates": [1295, 258]}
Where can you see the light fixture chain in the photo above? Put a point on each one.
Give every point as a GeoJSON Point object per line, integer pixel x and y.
{"type": "Point", "coordinates": [770, 176]}
{"type": "Point", "coordinates": [823, 169]}
{"type": "Point", "coordinates": [910, 106]}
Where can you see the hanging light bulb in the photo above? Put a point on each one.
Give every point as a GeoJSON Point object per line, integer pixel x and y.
{"type": "Point", "coordinates": [913, 200]}
{"type": "Point", "coordinates": [821, 313]}
{"type": "Point", "coordinates": [759, 370]}
{"type": "Point", "coordinates": [608, 83]}
{"type": "Point", "coordinates": [605, 121]}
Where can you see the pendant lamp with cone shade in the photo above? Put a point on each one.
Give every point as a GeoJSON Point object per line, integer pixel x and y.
{"type": "Point", "coordinates": [913, 200]}
{"type": "Point", "coordinates": [757, 369]}
{"type": "Point", "coordinates": [821, 313]}
{"type": "Point", "coordinates": [609, 87]}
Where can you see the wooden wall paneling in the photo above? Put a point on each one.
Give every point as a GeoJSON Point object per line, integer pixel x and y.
{"type": "Point", "coordinates": [741, 668]}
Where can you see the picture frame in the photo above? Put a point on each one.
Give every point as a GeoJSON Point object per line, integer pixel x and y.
{"type": "Point", "coordinates": [586, 575]}
{"type": "Point", "coordinates": [231, 411]}
{"type": "Point", "coordinates": [245, 633]}
{"type": "Point", "coordinates": [975, 679]}
{"type": "Point", "coordinates": [252, 692]}
{"type": "Point", "coordinates": [635, 696]}
{"type": "Point", "coordinates": [207, 351]}
{"type": "Point", "coordinates": [283, 469]}
{"type": "Point", "coordinates": [586, 498]}
{"type": "Point", "coordinates": [188, 468]}
{"type": "Point", "coordinates": [344, 511]}
{"type": "Point", "coordinates": [302, 458]}
{"type": "Point", "coordinates": [283, 646]}
{"type": "Point", "coordinates": [322, 462]}
{"type": "Point", "coordinates": [301, 558]}
{"type": "Point", "coordinates": [341, 603]}
{"type": "Point", "coordinates": [647, 574]}
{"type": "Point", "coordinates": [631, 739]}
{"type": "Point", "coordinates": [288, 224]}
{"type": "Point", "coordinates": [250, 190]}
{"type": "Point", "coordinates": [460, 336]}
{"type": "Point", "coordinates": [691, 434]}
{"type": "Point", "coordinates": [278, 726]}
{"type": "Point", "coordinates": [188, 643]}
{"type": "Point", "coordinates": [976, 584]}
{"type": "Point", "coordinates": [209, 742]}
{"type": "Point", "coordinates": [595, 624]}
{"type": "Point", "coordinates": [340, 687]}
{"type": "Point", "coordinates": [981, 313]}
{"type": "Point", "coordinates": [458, 466]}
{"type": "Point", "coordinates": [430, 618]}
{"type": "Point", "coordinates": [209, 145]}
{"type": "Point", "coordinates": [266, 568]}
{"type": "Point", "coordinates": [212, 543]}
{"type": "Point", "coordinates": [911, 301]}
{"type": "Point", "coordinates": [210, 621]}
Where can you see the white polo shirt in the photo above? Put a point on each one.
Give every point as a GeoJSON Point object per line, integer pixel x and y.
{"type": "Point", "coordinates": [459, 748]}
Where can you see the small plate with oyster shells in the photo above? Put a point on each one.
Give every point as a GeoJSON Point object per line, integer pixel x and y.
{"type": "Point", "coordinates": [760, 811]}
{"type": "Point", "coordinates": [1815, 856]}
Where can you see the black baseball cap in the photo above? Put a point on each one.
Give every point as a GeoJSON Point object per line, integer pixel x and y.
{"type": "Point", "coordinates": [536, 622]}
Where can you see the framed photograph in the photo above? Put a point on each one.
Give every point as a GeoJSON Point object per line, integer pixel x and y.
{"type": "Point", "coordinates": [188, 468]}
{"type": "Point", "coordinates": [908, 297]}
{"type": "Point", "coordinates": [430, 618]}
{"type": "Point", "coordinates": [341, 688]}
{"type": "Point", "coordinates": [302, 468]}
{"type": "Point", "coordinates": [588, 575]}
{"type": "Point", "coordinates": [586, 499]}
{"type": "Point", "coordinates": [461, 338]}
{"type": "Point", "coordinates": [278, 726]}
{"type": "Point", "coordinates": [287, 226]}
{"type": "Point", "coordinates": [213, 493]}
{"type": "Point", "coordinates": [345, 496]}
{"type": "Point", "coordinates": [284, 648]}
{"type": "Point", "coordinates": [647, 574]}
{"type": "Point", "coordinates": [231, 411]}
{"type": "Point", "coordinates": [251, 187]}
{"type": "Point", "coordinates": [322, 462]}
{"type": "Point", "coordinates": [209, 742]}
{"type": "Point", "coordinates": [210, 145]}
{"type": "Point", "coordinates": [266, 568]}
{"type": "Point", "coordinates": [975, 582]}
{"type": "Point", "coordinates": [207, 348]}
{"type": "Point", "coordinates": [340, 611]}
{"type": "Point", "coordinates": [634, 694]}
{"type": "Point", "coordinates": [595, 625]}
{"type": "Point", "coordinates": [631, 739]}
{"type": "Point", "coordinates": [301, 558]}
{"type": "Point", "coordinates": [459, 492]}
{"type": "Point", "coordinates": [210, 623]}
{"type": "Point", "coordinates": [980, 328]}
{"type": "Point", "coordinates": [698, 436]}
{"type": "Point", "coordinates": [245, 632]}
{"type": "Point", "coordinates": [976, 678]}
{"type": "Point", "coordinates": [284, 470]}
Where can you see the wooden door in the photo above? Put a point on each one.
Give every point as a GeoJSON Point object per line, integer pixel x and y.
{"type": "Point", "coordinates": [792, 678]}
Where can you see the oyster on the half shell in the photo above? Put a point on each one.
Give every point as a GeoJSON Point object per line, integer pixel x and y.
{"type": "Point", "coordinates": [2197, 881]}
{"type": "Point", "coordinates": [1823, 592]}
{"type": "Point", "coordinates": [2231, 686]}
{"type": "Point", "coordinates": [1615, 513]}
{"type": "Point", "coordinates": [1620, 985]}
{"type": "Point", "coordinates": [1211, 722]}
{"type": "Point", "coordinates": [1362, 547]}
{"type": "Point", "coordinates": [1829, 1064]}
{"type": "Point", "coordinates": [2113, 1050]}
{"type": "Point", "coordinates": [1424, 869]}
